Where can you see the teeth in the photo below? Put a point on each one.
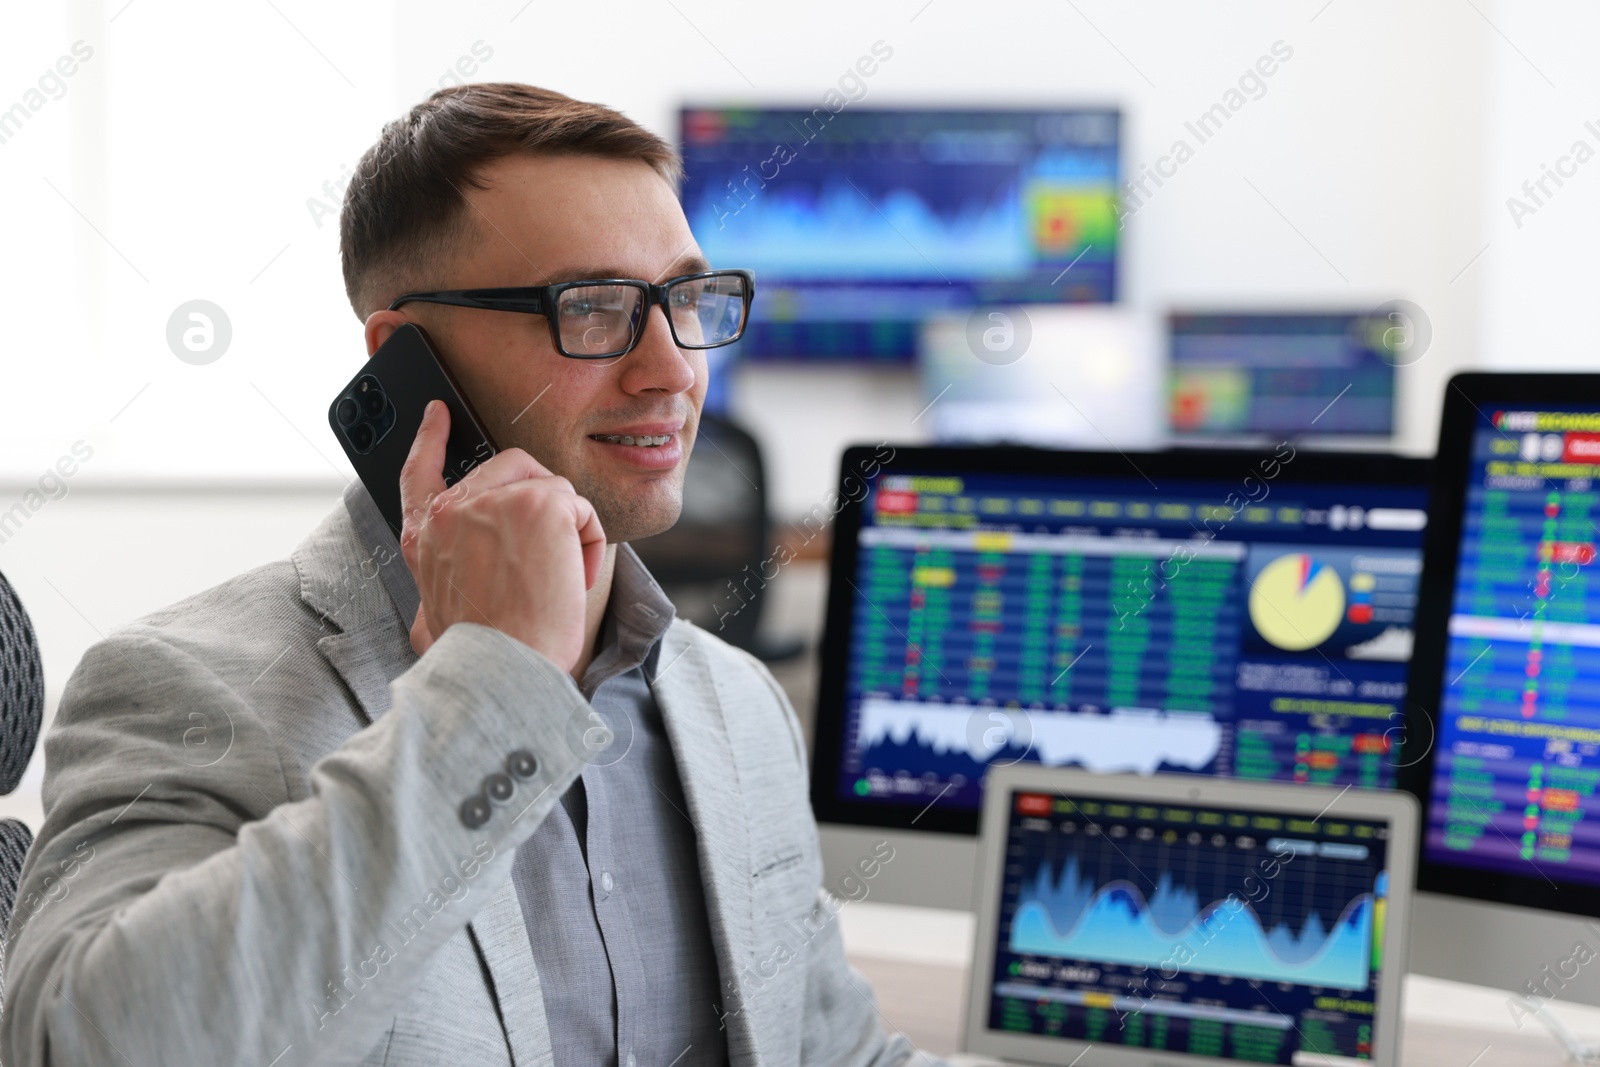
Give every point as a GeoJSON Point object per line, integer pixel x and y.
{"type": "Point", "coordinates": [651, 441]}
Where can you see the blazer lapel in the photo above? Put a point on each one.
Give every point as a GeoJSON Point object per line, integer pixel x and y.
{"type": "Point", "coordinates": [500, 935]}
{"type": "Point", "coordinates": [693, 716]}
{"type": "Point", "coordinates": [368, 659]}
{"type": "Point", "coordinates": [350, 586]}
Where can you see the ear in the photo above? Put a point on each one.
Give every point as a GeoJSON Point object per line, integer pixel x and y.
{"type": "Point", "coordinates": [380, 324]}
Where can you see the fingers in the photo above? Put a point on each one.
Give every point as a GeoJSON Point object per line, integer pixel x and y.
{"type": "Point", "coordinates": [422, 474]}
{"type": "Point", "coordinates": [421, 636]}
{"type": "Point", "coordinates": [575, 509]}
{"type": "Point", "coordinates": [592, 538]}
{"type": "Point", "coordinates": [504, 468]}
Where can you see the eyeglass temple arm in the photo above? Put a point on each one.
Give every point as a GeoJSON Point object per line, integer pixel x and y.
{"type": "Point", "coordinates": [460, 298]}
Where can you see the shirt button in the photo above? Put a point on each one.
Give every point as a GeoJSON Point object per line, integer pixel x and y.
{"type": "Point", "coordinates": [499, 786]}
{"type": "Point", "coordinates": [631, 1061]}
{"type": "Point", "coordinates": [606, 882]}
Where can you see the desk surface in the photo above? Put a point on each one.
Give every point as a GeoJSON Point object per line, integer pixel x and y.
{"type": "Point", "coordinates": [917, 960]}
{"type": "Point", "coordinates": [1447, 1024]}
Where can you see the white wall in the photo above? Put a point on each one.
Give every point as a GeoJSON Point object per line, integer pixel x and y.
{"type": "Point", "coordinates": [1368, 141]}
{"type": "Point", "coordinates": [1540, 272]}
{"type": "Point", "coordinates": [179, 161]}
{"type": "Point", "coordinates": [182, 160]}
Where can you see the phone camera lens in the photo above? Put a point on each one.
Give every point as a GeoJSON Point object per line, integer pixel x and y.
{"type": "Point", "coordinates": [346, 412]}
{"type": "Point", "coordinates": [362, 437]}
{"type": "Point", "coordinates": [373, 402]}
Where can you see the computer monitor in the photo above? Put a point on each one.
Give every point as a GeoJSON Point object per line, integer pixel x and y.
{"type": "Point", "coordinates": [1237, 375]}
{"type": "Point", "coordinates": [1089, 376]}
{"type": "Point", "coordinates": [1209, 613]}
{"type": "Point", "coordinates": [862, 223]}
{"type": "Point", "coordinates": [1503, 738]}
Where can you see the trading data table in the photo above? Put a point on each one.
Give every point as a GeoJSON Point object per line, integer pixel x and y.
{"type": "Point", "coordinates": [1519, 742]}
{"type": "Point", "coordinates": [999, 619]}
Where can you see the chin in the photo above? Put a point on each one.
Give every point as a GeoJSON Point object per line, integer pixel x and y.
{"type": "Point", "coordinates": [641, 515]}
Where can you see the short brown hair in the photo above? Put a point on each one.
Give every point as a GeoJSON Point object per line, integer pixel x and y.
{"type": "Point", "coordinates": [404, 215]}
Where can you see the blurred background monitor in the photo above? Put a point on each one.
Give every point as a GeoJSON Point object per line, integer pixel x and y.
{"type": "Point", "coordinates": [1089, 376]}
{"type": "Point", "coordinates": [862, 224]}
{"type": "Point", "coordinates": [1251, 375]}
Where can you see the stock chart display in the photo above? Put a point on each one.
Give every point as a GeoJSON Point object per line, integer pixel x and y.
{"type": "Point", "coordinates": [1519, 733]}
{"type": "Point", "coordinates": [1280, 373]}
{"type": "Point", "coordinates": [1259, 937]}
{"type": "Point", "coordinates": [861, 223]}
{"type": "Point", "coordinates": [1110, 625]}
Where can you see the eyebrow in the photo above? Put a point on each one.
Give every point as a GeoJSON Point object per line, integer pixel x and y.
{"type": "Point", "coordinates": [690, 264]}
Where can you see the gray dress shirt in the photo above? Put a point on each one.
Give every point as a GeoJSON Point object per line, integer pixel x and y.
{"type": "Point", "coordinates": [610, 882]}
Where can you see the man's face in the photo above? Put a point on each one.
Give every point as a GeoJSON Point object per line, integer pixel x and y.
{"type": "Point", "coordinates": [552, 219]}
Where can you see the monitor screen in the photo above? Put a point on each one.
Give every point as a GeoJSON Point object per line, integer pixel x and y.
{"type": "Point", "coordinates": [1175, 612]}
{"type": "Point", "coordinates": [1232, 934]}
{"type": "Point", "coordinates": [1517, 755]}
{"type": "Point", "coordinates": [860, 224]}
{"type": "Point", "coordinates": [1081, 358]}
{"type": "Point", "coordinates": [1250, 374]}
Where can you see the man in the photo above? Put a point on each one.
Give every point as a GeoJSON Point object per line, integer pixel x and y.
{"type": "Point", "coordinates": [474, 797]}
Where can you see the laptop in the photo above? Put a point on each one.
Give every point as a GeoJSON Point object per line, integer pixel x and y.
{"type": "Point", "coordinates": [1187, 922]}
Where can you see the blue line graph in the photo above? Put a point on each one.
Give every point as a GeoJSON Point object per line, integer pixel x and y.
{"type": "Point", "coordinates": [835, 231]}
{"type": "Point", "coordinates": [1070, 917]}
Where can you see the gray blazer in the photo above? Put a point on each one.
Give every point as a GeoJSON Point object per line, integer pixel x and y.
{"type": "Point", "coordinates": [258, 848]}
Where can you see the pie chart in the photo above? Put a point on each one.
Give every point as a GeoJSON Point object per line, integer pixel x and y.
{"type": "Point", "coordinates": [1296, 602]}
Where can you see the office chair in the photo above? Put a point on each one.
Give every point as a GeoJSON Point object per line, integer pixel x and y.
{"type": "Point", "coordinates": [714, 565]}
{"type": "Point", "coordinates": [21, 708]}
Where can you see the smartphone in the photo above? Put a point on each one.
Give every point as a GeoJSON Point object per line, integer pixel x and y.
{"type": "Point", "coordinates": [376, 417]}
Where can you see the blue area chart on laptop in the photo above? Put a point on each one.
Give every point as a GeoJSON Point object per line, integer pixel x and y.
{"type": "Point", "coordinates": [1070, 918]}
{"type": "Point", "coordinates": [1233, 934]}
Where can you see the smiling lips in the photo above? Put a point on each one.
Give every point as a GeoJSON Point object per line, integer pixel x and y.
{"type": "Point", "coordinates": [651, 447]}
{"type": "Point", "coordinates": [644, 440]}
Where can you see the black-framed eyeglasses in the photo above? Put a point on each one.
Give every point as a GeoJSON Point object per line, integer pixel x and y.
{"type": "Point", "coordinates": [605, 318]}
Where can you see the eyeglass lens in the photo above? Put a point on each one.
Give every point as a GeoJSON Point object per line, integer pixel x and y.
{"type": "Point", "coordinates": [601, 320]}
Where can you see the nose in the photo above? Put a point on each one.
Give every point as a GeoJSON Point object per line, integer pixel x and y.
{"type": "Point", "coordinates": [657, 364]}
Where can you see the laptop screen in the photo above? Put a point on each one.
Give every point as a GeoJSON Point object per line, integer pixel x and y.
{"type": "Point", "coordinates": [1225, 933]}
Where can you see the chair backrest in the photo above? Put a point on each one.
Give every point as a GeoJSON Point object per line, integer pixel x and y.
{"type": "Point", "coordinates": [710, 563]}
{"type": "Point", "coordinates": [21, 688]}
{"type": "Point", "coordinates": [21, 709]}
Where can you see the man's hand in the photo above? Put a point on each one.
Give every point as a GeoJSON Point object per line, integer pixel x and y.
{"type": "Point", "coordinates": [511, 546]}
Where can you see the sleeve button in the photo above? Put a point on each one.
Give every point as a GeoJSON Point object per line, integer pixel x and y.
{"type": "Point", "coordinates": [522, 764]}
{"type": "Point", "coordinates": [499, 787]}
{"type": "Point", "coordinates": [474, 811]}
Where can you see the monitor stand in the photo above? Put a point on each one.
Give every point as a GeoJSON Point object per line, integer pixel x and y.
{"type": "Point", "coordinates": [929, 870]}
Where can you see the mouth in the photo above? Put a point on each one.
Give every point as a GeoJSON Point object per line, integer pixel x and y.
{"type": "Point", "coordinates": [650, 448]}
{"type": "Point", "coordinates": [633, 440]}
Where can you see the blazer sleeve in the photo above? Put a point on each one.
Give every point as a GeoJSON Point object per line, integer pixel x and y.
{"type": "Point", "coordinates": [182, 909]}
